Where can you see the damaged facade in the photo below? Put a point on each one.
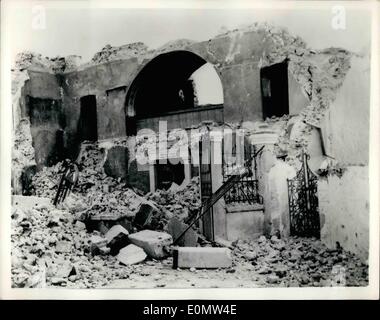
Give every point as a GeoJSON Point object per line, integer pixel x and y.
{"type": "Point", "coordinates": [288, 100]}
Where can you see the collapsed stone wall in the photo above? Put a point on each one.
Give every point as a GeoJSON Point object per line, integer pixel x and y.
{"type": "Point", "coordinates": [238, 56]}
{"type": "Point", "coordinates": [22, 152]}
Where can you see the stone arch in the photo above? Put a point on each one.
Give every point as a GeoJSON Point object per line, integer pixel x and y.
{"type": "Point", "coordinates": [171, 82]}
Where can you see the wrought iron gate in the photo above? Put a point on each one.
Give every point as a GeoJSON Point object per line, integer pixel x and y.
{"type": "Point", "coordinates": [303, 202]}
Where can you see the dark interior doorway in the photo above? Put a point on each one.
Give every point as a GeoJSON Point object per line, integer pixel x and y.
{"type": "Point", "coordinates": [168, 173]}
{"type": "Point", "coordinates": [274, 90]}
{"type": "Point", "coordinates": [88, 128]}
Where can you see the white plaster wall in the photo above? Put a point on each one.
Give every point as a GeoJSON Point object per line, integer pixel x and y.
{"type": "Point", "coordinates": [298, 99]}
{"type": "Point", "coordinates": [346, 124]}
{"type": "Point", "coordinates": [265, 162]}
{"type": "Point", "coordinates": [244, 225]}
{"type": "Point", "coordinates": [277, 206]}
{"type": "Point", "coordinates": [344, 210]}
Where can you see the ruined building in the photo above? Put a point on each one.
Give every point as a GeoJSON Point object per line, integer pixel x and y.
{"type": "Point", "coordinates": [304, 114]}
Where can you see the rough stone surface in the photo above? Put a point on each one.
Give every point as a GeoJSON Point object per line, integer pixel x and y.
{"type": "Point", "coordinates": [154, 243]}
{"type": "Point", "coordinates": [145, 214]}
{"type": "Point", "coordinates": [116, 164]}
{"type": "Point", "coordinates": [117, 238]}
{"type": "Point", "coordinates": [97, 242]}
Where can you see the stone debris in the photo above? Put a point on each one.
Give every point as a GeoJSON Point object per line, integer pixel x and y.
{"type": "Point", "coordinates": [28, 59]}
{"type": "Point", "coordinates": [48, 249]}
{"type": "Point", "coordinates": [131, 254]}
{"type": "Point", "coordinates": [109, 53]}
{"type": "Point", "coordinates": [154, 243]}
{"type": "Point", "coordinates": [97, 242]}
{"type": "Point", "coordinates": [117, 238]}
{"type": "Point", "coordinates": [146, 212]}
{"type": "Point", "coordinates": [89, 201]}
{"type": "Point", "coordinates": [36, 262]}
{"type": "Point", "coordinates": [300, 262]}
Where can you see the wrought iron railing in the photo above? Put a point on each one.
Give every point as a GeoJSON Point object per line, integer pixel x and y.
{"type": "Point", "coordinates": [246, 189]}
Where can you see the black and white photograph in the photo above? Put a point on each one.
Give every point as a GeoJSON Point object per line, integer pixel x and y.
{"type": "Point", "coordinates": [190, 145]}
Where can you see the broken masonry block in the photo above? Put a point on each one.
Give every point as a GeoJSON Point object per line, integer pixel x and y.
{"type": "Point", "coordinates": [104, 251]}
{"type": "Point", "coordinates": [80, 225]}
{"type": "Point", "coordinates": [202, 257]}
{"type": "Point", "coordinates": [115, 231]}
{"type": "Point", "coordinates": [145, 214]}
{"type": "Point", "coordinates": [102, 227]}
{"type": "Point", "coordinates": [64, 270]}
{"type": "Point", "coordinates": [154, 243]}
{"type": "Point", "coordinates": [131, 254]}
{"type": "Point", "coordinates": [176, 228]}
{"type": "Point", "coordinates": [37, 280]}
{"type": "Point", "coordinates": [63, 247]}
{"type": "Point", "coordinates": [124, 222]}
{"type": "Point", "coordinates": [97, 242]}
{"type": "Point", "coordinates": [117, 238]}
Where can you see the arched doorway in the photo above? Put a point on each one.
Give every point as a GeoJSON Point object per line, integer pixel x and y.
{"type": "Point", "coordinates": [178, 87]}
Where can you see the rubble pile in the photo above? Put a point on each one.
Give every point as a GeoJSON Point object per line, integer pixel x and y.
{"type": "Point", "coordinates": [91, 178]}
{"type": "Point", "coordinates": [301, 262]}
{"type": "Point", "coordinates": [26, 59]}
{"type": "Point", "coordinates": [181, 202]}
{"type": "Point", "coordinates": [109, 53]}
{"type": "Point", "coordinates": [97, 195]}
{"type": "Point", "coordinates": [50, 248]}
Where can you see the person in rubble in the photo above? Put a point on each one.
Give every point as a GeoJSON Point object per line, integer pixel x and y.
{"type": "Point", "coordinates": [70, 175]}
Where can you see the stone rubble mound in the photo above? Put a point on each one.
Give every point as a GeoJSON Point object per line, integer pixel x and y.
{"type": "Point", "coordinates": [50, 248]}
{"type": "Point", "coordinates": [301, 262]}
{"type": "Point", "coordinates": [109, 53]}
{"type": "Point", "coordinates": [97, 194]}
{"type": "Point", "coordinates": [27, 59]}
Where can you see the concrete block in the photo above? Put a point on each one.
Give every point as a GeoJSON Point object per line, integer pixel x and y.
{"type": "Point", "coordinates": [117, 238]}
{"type": "Point", "coordinates": [131, 254]}
{"type": "Point", "coordinates": [202, 257]}
{"type": "Point", "coordinates": [153, 242]}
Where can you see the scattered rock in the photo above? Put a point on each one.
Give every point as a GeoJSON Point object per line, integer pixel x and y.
{"type": "Point", "coordinates": [131, 254]}
{"type": "Point", "coordinates": [63, 247]}
{"type": "Point", "coordinates": [117, 238]}
{"type": "Point", "coordinates": [97, 242]}
{"type": "Point", "coordinates": [272, 279]}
